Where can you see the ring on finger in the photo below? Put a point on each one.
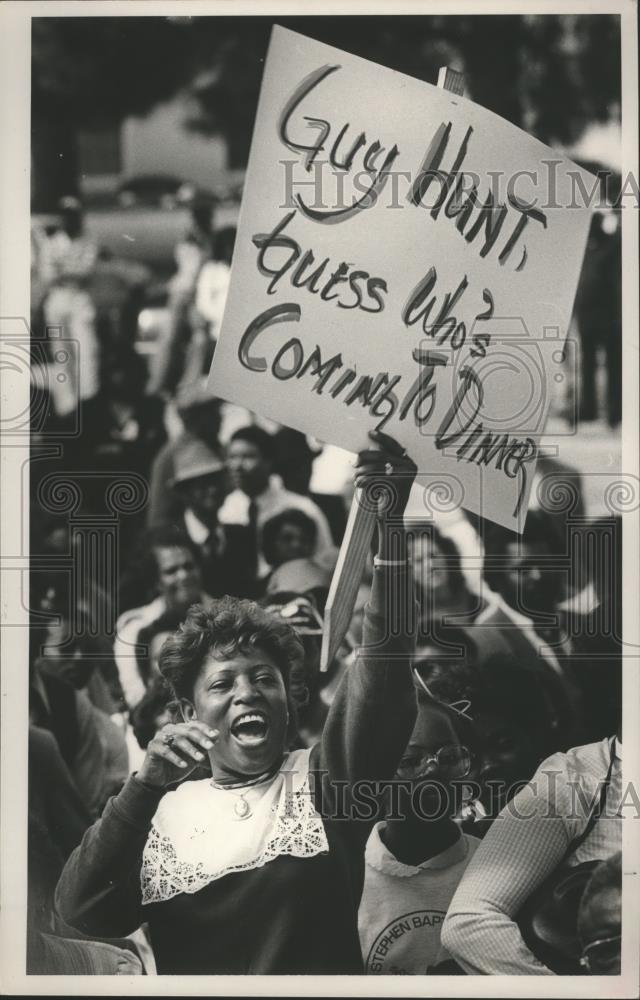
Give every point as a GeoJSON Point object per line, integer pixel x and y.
{"type": "Point", "coordinates": [168, 739]}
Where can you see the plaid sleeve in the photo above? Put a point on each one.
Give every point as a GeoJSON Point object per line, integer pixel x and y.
{"type": "Point", "coordinates": [524, 845]}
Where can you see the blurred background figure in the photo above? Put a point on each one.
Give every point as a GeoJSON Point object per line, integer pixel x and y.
{"type": "Point", "coordinates": [76, 725]}
{"type": "Point", "coordinates": [442, 589]}
{"type": "Point", "coordinates": [289, 535]}
{"type": "Point", "coordinates": [155, 707]}
{"type": "Point", "coordinates": [57, 822]}
{"type": "Point", "coordinates": [294, 462]}
{"type": "Point", "coordinates": [227, 551]}
{"type": "Point", "coordinates": [66, 260]}
{"type": "Point", "coordinates": [212, 287]}
{"type": "Point", "coordinates": [125, 425]}
{"type": "Point", "coordinates": [596, 627]}
{"type": "Point", "coordinates": [598, 307]}
{"type": "Point", "coordinates": [600, 919]}
{"type": "Point", "coordinates": [199, 415]}
{"type": "Point", "coordinates": [297, 592]}
{"type": "Point", "coordinates": [206, 312]}
{"type": "Point", "coordinates": [191, 252]}
{"type": "Point", "coordinates": [151, 639]}
{"type": "Point", "coordinates": [154, 710]}
{"type": "Point", "coordinates": [257, 494]}
{"type": "Point", "coordinates": [528, 575]}
{"type": "Point", "coordinates": [172, 577]}
{"type": "Point", "coordinates": [118, 291]}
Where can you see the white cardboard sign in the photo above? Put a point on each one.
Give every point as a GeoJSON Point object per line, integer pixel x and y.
{"type": "Point", "coordinates": [406, 260]}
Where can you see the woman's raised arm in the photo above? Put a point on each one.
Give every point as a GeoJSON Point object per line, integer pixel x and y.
{"type": "Point", "coordinates": [372, 716]}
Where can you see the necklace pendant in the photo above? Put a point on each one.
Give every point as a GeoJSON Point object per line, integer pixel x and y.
{"type": "Point", "coordinates": [242, 809]}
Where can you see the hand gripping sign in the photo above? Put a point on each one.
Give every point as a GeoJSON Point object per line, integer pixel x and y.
{"type": "Point", "coordinates": [403, 262]}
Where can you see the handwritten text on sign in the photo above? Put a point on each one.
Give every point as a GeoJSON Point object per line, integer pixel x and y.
{"type": "Point", "coordinates": [400, 264]}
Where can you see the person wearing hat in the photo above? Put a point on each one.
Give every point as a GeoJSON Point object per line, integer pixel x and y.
{"type": "Point", "coordinates": [199, 413]}
{"type": "Point", "coordinates": [227, 551]}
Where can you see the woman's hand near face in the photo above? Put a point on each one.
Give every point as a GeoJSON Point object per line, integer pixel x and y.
{"type": "Point", "coordinates": [175, 751]}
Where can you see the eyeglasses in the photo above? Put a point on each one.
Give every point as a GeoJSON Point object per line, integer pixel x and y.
{"type": "Point", "coordinates": [451, 762]}
{"type": "Point", "coordinates": [602, 957]}
{"type": "Point", "coordinates": [460, 707]}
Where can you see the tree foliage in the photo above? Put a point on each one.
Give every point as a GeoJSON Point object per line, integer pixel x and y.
{"type": "Point", "coordinates": [552, 75]}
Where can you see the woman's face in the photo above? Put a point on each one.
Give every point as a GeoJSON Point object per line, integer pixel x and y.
{"type": "Point", "coordinates": [179, 577]}
{"type": "Point", "coordinates": [245, 699]}
{"type": "Point", "coordinates": [428, 576]}
{"type": "Point", "coordinates": [291, 542]}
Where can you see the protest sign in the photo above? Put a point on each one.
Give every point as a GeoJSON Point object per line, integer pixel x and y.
{"type": "Point", "coordinates": [406, 260]}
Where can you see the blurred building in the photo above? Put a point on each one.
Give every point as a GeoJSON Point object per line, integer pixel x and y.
{"type": "Point", "coordinates": [156, 144]}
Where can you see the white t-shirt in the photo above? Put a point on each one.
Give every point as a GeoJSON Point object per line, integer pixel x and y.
{"type": "Point", "coordinates": [211, 292]}
{"type": "Point", "coordinates": [403, 908]}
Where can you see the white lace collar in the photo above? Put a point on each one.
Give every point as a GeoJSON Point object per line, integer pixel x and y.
{"type": "Point", "coordinates": [196, 837]}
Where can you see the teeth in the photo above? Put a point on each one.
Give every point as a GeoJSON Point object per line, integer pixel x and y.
{"type": "Point", "coordinates": [250, 717]}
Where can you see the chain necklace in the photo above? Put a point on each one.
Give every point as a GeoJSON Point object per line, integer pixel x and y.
{"type": "Point", "coordinates": [241, 808]}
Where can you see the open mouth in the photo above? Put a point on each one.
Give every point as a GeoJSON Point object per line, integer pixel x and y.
{"type": "Point", "coordinates": [250, 729]}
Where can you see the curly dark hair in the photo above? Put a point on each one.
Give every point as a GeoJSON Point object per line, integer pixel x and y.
{"type": "Point", "coordinates": [229, 626]}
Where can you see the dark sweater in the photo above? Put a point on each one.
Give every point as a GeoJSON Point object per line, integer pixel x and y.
{"type": "Point", "coordinates": [293, 915]}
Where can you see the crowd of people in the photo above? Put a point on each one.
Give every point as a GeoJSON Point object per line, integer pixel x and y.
{"type": "Point", "coordinates": [203, 797]}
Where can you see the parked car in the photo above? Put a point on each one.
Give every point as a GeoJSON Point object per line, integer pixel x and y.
{"type": "Point", "coordinates": [153, 191]}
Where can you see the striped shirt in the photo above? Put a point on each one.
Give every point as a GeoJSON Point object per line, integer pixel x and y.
{"type": "Point", "coordinates": [525, 844]}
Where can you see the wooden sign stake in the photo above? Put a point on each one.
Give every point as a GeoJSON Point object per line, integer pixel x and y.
{"type": "Point", "coordinates": [361, 524]}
